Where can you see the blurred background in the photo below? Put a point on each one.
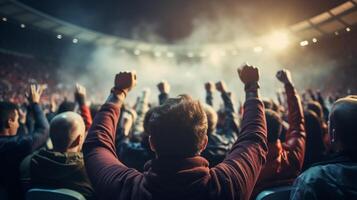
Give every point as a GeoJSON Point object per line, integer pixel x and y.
{"type": "Point", "coordinates": [186, 43]}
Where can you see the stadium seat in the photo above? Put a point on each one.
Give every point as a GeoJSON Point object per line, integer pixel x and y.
{"type": "Point", "coordinates": [53, 194]}
{"type": "Point", "coordinates": [3, 194]}
{"type": "Point", "coordinates": [278, 193]}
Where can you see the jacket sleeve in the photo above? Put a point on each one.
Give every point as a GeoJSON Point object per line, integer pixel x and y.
{"type": "Point", "coordinates": [107, 174]}
{"type": "Point", "coordinates": [86, 115]}
{"type": "Point", "coordinates": [231, 127]}
{"type": "Point", "coordinates": [236, 175]}
{"type": "Point", "coordinates": [294, 146]}
{"type": "Point", "coordinates": [38, 137]}
{"type": "Point", "coordinates": [163, 97]}
{"type": "Point", "coordinates": [209, 98]}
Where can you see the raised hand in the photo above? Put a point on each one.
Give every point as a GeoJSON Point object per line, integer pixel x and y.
{"type": "Point", "coordinates": [284, 76]}
{"type": "Point", "coordinates": [221, 86]}
{"type": "Point", "coordinates": [35, 93]}
{"type": "Point", "coordinates": [163, 87]}
{"type": "Point", "coordinates": [80, 94]}
{"type": "Point", "coordinates": [248, 74]}
{"type": "Point", "coordinates": [124, 82]}
{"type": "Point", "coordinates": [209, 86]}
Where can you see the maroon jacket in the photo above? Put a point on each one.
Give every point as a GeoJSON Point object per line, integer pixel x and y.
{"type": "Point", "coordinates": [171, 177]}
{"type": "Point", "coordinates": [285, 160]}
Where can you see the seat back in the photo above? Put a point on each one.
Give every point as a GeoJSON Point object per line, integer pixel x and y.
{"type": "Point", "coordinates": [3, 194]}
{"type": "Point", "coordinates": [278, 193]}
{"type": "Point", "coordinates": [53, 194]}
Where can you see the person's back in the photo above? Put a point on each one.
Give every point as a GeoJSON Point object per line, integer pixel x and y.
{"type": "Point", "coordinates": [177, 132]}
{"type": "Point", "coordinates": [335, 178]}
{"type": "Point", "coordinates": [15, 147]}
{"type": "Point", "coordinates": [62, 167]}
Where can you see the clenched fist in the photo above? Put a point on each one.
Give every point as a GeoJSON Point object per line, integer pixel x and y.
{"type": "Point", "coordinates": [221, 86]}
{"type": "Point", "coordinates": [248, 74]}
{"type": "Point", "coordinates": [209, 86]}
{"type": "Point", "coordinates": [284, 76]}
{"type": "Point", "coordinates": [124, 82]}
{"type": "Point", "coordinates": [163, 87]}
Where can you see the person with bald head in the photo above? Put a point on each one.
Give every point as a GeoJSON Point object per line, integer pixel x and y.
{"type": "Point", "coordinates": [337, 177]}
{"type": "Point", "coordinates": [63, 166]}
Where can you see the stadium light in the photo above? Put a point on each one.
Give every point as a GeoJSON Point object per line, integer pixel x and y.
{"type": "Point", "coordinates": [278, 40]}
{"type": "Point", "coordinates": [75, 40]}
{"type": "Point", "coordinates": [258, 49]}
{"type": "Point", "coordinates": [170, 54]}
{"type": "Point", "coordinates": [157, 54]}
{"type": "Point", "coordinates": [4, 19]}
{"type": "Point", "coordinates": [59, 36]}
{"type": "Point", "coordinates": [137, 52]}
{"type": "Point", "coordinates": [314, 40]}
{"type": "Point", "coordinates": [23, 26]}
{"type": "Point", "coordinates": [304, 43]}
{"type": "Point", "coordinates": [348, 29]}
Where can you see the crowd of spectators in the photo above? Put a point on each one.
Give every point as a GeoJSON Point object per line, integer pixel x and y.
{"type": "Point", "coordinates": [180, 149]}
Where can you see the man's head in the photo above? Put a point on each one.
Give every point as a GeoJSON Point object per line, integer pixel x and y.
{"type": "Point", "coordinates": [212, 118]}
{"type": "Point", "coordinates": [273, 124]}
{"type": "Point", "coordinates": [178, 128]}
{"type": "Point", "coordinates": [67, 132]}
{"type": "Point", "coordinates": [342, 126]}
{"type": "Point", "coordinates": [9, 119]}
{"type": "Point", "coordinates": [316, 108]}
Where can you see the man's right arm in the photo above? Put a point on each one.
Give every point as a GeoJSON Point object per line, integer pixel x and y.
{"type": "Point", "coordinates": [247, 156]}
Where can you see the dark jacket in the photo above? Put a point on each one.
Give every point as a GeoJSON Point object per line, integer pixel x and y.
{"type": "Point", "coordinates": [285, 160]}
{"type": "Point", "coordinates": [49, 169]}
{"type": "Point", "coordinates": [176, 178]}
{"type": "Point", "coordinates": [13, 149]}
{"type": "Point", "coordinates": [333, 179]}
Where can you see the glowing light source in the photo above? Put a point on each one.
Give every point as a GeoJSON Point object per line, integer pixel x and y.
{"type": "Point", "coordinates": [278, 40]}
{"type": "Point", "coordinates": [75, 40]}
{"type": "Point", "coordinates": [4, 19]}
{"type": "Point", "coordinates": [258, 49]}
{"type": "Point", "coordinates": [314, 40]}
{"type": "Point", "coordinates": [304, 43]}
{"type": "Point", "coordinates": [137, 52]}
{"type": "Point", "coordinates": [170, 54]}
{"type": "Point", "coordinates": [59, 36]}
{"type": "Point", "coordinates": [348, 29]}
{"type": "Point", "coordinates": [157, 54]}
{"type": "Point", "coordinates": [23, 26]}
{"type": "Point", "coordinates": [190, 54]}
{"type": "Point", "coordinates": [336, 33]}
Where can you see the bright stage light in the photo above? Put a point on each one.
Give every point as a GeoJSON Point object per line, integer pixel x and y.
{"type": "Point", "coordinates": [4, 19]}
{"type": "Point", "coordinates": [348, 29]}
{"type": "Point", "coordinates": [314, 40]}
{"type": "Point", "coordinates": [278, 40]}
{"type": "Point", "coordinates": [157, 54]}
{"type": "Point", "coordinates": [23, 26]}
{"type": "Point", "coordinates": [304, 43]}
{"type": "Point", "coordinates": [258, 49]}
{"type": "Point", "coordinates": [137, 52]}
{"type": "Point", "coordinates": [75, 40]}
{"type": "Point", "coordinates": [59, 36]}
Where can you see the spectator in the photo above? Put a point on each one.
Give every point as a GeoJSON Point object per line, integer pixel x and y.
{"type": "Point", "coordinates": [62, 167]}
{"type": "Point", "coordinates": [177, 132]}
{"type": "Point", "coordinates": [335, 178]}
{"type": "Point", "coordinates": [284, 160]}
{"type": "Point", "coordinates": [315, 147]}
{"type": "Point", "coordinates": [14, 148]}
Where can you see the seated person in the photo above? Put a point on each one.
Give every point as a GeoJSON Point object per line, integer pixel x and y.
{"type": "Point", "coordinates": [284, 160]}
{"type": "Point", "coordinates": [15, 147]}
{"type": "Point", "coordinates": [337, 177]}
{"type": "Point", "coordinates": [62, 167]}
{"type": "Point", "coordinates": [177, 135]}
